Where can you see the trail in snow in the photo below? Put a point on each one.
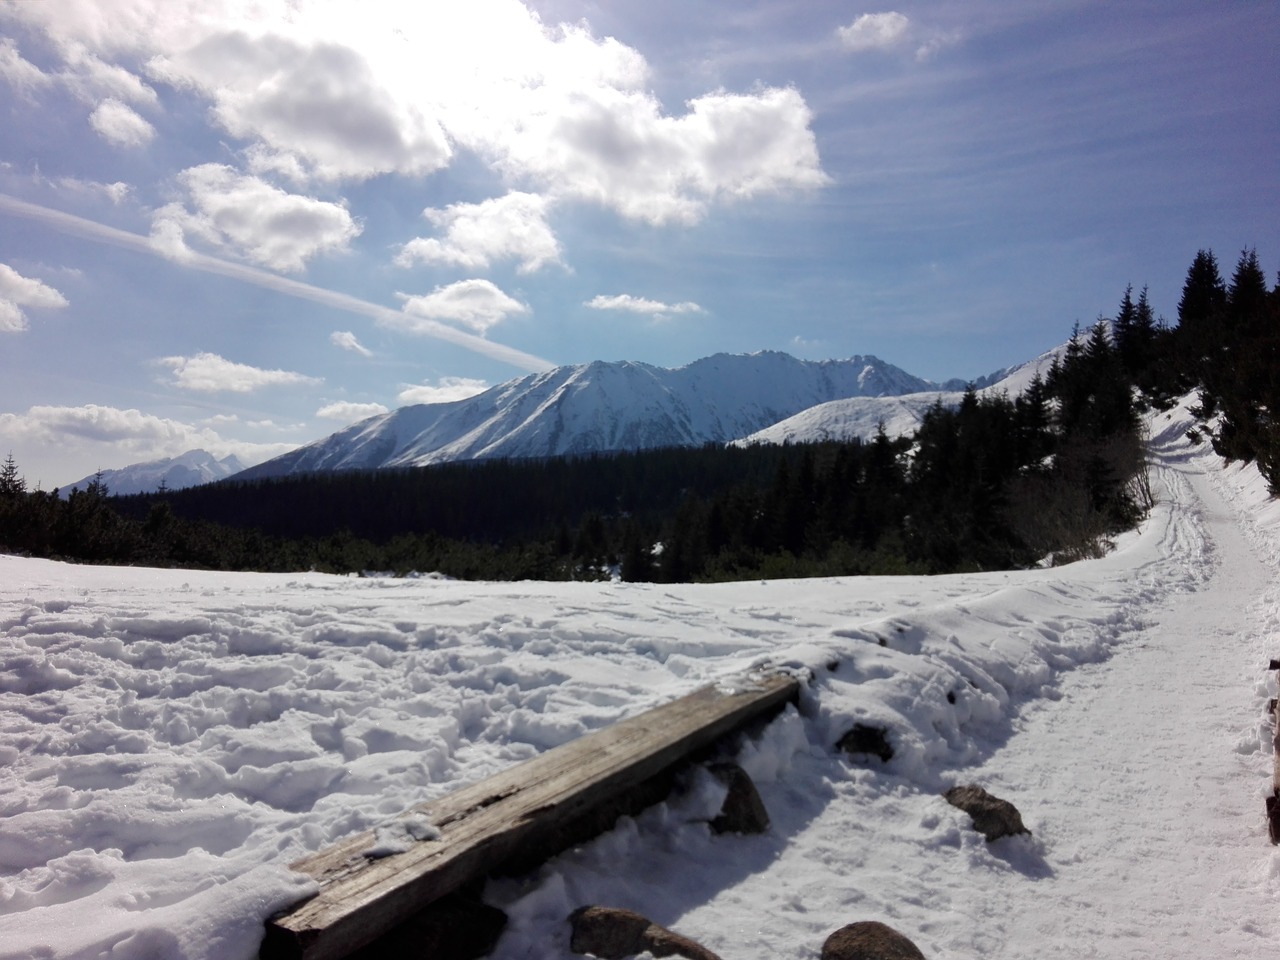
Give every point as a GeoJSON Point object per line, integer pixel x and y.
{"type": "Point", "coordinates": [1146, 779]}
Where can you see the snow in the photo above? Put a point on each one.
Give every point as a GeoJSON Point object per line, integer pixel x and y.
{"type": "Point", "coordinates": [170, 740]}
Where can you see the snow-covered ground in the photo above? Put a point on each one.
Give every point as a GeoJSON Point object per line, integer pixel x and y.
{"type": "Point", "coordinates": [171, 740]}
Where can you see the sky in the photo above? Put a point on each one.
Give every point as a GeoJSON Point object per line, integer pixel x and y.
{"type": "Point", "coordinates": [241, 225]}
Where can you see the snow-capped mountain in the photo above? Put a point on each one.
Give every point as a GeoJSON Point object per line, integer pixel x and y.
{"type": "Point", "coordinates": [187, 470]}
{"type": "Point", "coordinates": [603, 406]}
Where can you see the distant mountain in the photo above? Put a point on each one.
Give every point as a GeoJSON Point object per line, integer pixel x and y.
{"type": "Point", "coordinates": [602, 406]}
{"type": "Point", "coordinates": [188, 470]}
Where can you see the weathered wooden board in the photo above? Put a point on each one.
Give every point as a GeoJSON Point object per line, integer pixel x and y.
{"type": "Point", "coordinates": [525, 808]}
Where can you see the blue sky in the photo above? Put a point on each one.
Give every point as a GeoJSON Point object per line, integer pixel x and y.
{"type": "Point", "coordinates": [242, 225]}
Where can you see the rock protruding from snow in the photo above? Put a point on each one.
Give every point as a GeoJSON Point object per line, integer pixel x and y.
{"type": "Point", "coordinates": [865, 739]}
{"type": "Point", "coordinates": [743, 810]}
{"type": "Point", "coordinates": [992, 817]}
{"type": "Point", "coordinates": [869, 940]}
{"type": "Point", "coordinates": [612, 933]}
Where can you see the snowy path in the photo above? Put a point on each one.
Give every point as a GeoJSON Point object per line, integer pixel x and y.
{"type": "Point", "coordinates": [1148, 799]}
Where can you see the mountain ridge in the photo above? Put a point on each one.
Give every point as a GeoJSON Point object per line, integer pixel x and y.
{"type": "Point", "coordinates": [188, 469]}
{"type": "Point", "coordinates": [603, 406]}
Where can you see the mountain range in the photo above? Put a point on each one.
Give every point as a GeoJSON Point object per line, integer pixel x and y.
{"type": "Point", "coordinates": [766, 397]}
{"type": "Point", "coordinates": [599, 406]}
{"type": "Point", "coordinates": [175, 473]}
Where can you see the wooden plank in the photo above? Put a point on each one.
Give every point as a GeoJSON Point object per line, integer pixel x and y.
{"type": "Point", "coordinates": [528, 807]}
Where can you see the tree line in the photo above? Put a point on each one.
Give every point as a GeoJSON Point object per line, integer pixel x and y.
{"type": "Point", "coordinates": [993, 482]}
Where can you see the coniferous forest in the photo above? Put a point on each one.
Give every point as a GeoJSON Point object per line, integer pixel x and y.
{"type": "Point", "coordinates": [996, 482]}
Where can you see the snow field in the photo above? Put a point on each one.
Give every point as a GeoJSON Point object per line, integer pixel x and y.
{"type": "Point", "coordinates": [170, 740]}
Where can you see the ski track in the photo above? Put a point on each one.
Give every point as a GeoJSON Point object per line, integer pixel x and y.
{"type": "Point", "coordinates": [169, 740]}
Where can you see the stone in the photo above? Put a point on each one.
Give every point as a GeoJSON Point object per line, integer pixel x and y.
{"type": "Point", "coordinates": [992, 817]}
{"type": "Point", "coordinates": [612, 933]}
{"type": "Point", "coordinates": [869, 940]}
{"type": "Point", "coordinates": [743, 810]}
{"type": "Point", "coordinates": [864, 738]}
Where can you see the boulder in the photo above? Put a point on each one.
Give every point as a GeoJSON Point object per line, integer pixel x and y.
{"type": "Point", "coordinates": [743, 810]}
{"type": "Point", "coordinates": [992, 817]}
{"type": "Point", "coordinates": [612, 933]}
{"type": "Point", "coordinates": [869, 940]}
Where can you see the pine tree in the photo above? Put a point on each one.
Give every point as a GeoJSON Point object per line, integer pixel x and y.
{"type": "Point", "coordinates": [12, 485]}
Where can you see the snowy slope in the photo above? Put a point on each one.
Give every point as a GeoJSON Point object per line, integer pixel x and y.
{"type": "Point", "coordinates": [600, 406]}
{"type": "Point", "coordinates": [860, 417]}
{"type": "Point", "coordinates": [170, 739]}
{"type": "Point", "coordinates": [187, 470]}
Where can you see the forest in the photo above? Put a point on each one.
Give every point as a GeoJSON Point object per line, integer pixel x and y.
{"type": "Point", "coordinates": [995, 482]}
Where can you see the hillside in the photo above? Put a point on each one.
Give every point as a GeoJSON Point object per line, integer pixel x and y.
{"type": "Point", "coordinates": [172, 738]}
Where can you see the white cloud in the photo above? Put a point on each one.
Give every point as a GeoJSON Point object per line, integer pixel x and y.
{"type": "Point", "coordinates": [210, 373]}
{"type": "Point", "coordinates": [347, 341]}
{"type": "Point", "coordinates": [85, 75]}
{"type": "Point", "coordinates": [125, 435]}
{"type": "Point", "coordinates": [12, 319]}
{"type": "Point", "coordinates": [261, 222]}
{"type": "Point", "coordinates": [342, 91]}
{"type": "Point", "coordinates": [616, 148]}
{"type": "Point", "coordinates": [16, 292]}
{"type": "Point", "coordinates": [118, 124]}
{"type": "Point", "coordinates": [477, 304]}
{"type": "Point", "coordinates": [446, 390]}
{"type": "Point", "coordinates": [347, 412]}
{"type": "Point", "coordinates": [116, 192]}
{"type": "Point", "coordinates": [874, 31]}
{"type": "Point", "coordinates": [513, 227]}
{"type": "Point", "coordinates": [21, 74]}
{"type": "Point", "coordinates": [629, 304]}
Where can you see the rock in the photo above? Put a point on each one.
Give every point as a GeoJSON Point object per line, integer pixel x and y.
{"type": "Point", "coordinates": [612, 933]}
{"type": "Point", "coordinates": [864, 738]}
{"type": "Point", "coordinates": [869, 940]}
{"type": "Point", "coordinates": [743, 810]}
{"type": "Point", "coordinates": [992, 817]}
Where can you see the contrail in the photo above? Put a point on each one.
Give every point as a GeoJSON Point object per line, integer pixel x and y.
{"type": "Point", "coordinates": [80, 227]}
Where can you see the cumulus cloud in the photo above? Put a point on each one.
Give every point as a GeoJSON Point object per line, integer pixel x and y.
{"type": "Point", "coordinates": [445, 390]}
{"type": "Point", "coordinates": [16, 292]}
{"type": "Point", "coordinates": [347, 412]}
{"type": "Point", "coordinates": [513, 227]}
{"type": "Point", "coordinates": [617, 148]}
{"type": "Point", "coordinates": [248, 215]}
{"type": "Point", "coordinates": [477, 304]}
{"type": "Point", "coordinates": [874, 31]}
{"type": "Point", "coordinates": [210, 373]}
{"type": "Point", "coordinates": [119, 124]}
{"type": "Point", "coordinates": [347, 341]}
{"type": "Point", "coordinates": [125, 435]}
{"type": "Point", "coordinates": [352, 91]}
{"type": "Point", "coordinates": [629, 304]}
